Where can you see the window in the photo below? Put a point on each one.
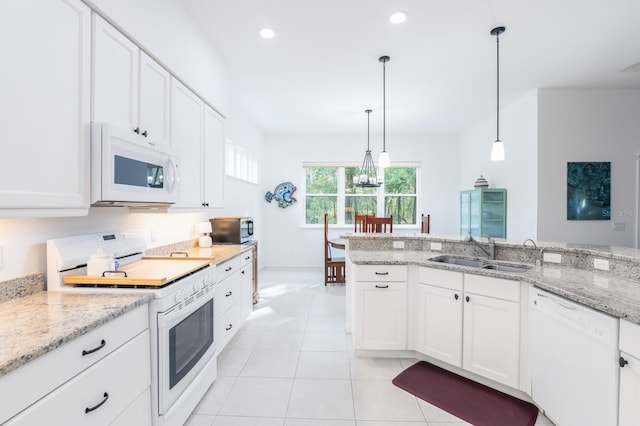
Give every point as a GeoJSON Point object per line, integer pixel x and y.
{"type": "Point", "coordinates": [240, 163]}
{"type": "Point", "coordinates": [330, 189]}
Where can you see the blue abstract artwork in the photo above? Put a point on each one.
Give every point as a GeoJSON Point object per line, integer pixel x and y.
{"type": "Point", "coordinates": [589, 190]}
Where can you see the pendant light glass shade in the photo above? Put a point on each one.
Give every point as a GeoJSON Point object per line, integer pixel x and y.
{"type": "Point", "coordinates": [497, 150]}
{"type": "Point", "coordinates": [367, 176]}
{"type": "Point", "coordinates": [383, 160]}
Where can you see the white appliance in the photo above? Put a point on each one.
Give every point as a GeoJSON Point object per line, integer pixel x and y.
{"type": "Point", "coordinates": [574, 361]}
{"type": "Point", "coordinates": [129, 170]}
{"type": "Point", "coordinates": [181, 317]}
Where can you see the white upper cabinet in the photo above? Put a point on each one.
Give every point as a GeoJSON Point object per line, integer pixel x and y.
{"type": "Point", "coordinates": [130, 90]}
{"type": "Point", "coordinates": [197, 138]}
{"type": "Point", "coordinates": [44, 107]}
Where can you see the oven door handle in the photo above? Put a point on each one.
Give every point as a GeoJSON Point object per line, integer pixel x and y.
{"type": "Point", "coordinates": [174, 315]}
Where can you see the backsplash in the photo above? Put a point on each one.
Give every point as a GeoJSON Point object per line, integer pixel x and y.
{"type": "Point", "coordinates": [24, 285]}
{"type": "Point", "coordinates": [171, 248]}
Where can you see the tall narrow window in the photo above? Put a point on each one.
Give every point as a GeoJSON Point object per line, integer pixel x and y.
{"type": "Point", "coordinates": [400, 198]}
{"type": "Point", "coordinates": [321, 194]}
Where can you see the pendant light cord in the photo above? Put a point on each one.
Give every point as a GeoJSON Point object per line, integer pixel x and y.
{"type": "Point", "coordinates": [384, 108]}
{"type": "Point", "coordinates": [368, 116]}
{"type": "Point", "coordinates": [497, 87]}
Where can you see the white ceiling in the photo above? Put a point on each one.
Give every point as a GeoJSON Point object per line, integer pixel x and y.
{"type": "Point", "coordinates": [321, 71]}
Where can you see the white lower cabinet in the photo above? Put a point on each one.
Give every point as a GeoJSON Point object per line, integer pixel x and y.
{"type": "Point", "coordinates": [470, 321]}
{"type": "Point", "coordinates": [381, 307]}
{"type": "Point", "coordinates": [113, 390]}
{"type": "Point", "coordinates": [232, 303]}
{"type": "Point", "coordinates": [629, 408]}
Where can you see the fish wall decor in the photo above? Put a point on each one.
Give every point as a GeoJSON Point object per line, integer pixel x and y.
{"type": "Point", "coordinates": [283, 194]}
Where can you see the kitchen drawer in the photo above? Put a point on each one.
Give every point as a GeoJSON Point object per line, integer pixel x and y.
{"type": "Point", "coordinates": [114, 382]}
{"type": "Point", "coordinates": [493, 287]}
{"type": "Point", "coordinates": [227, 268]}
{"type": "Point", "coordinates": [51, 370]}
{"type": "Point", "coordinates": [441, 278]}
{"type": "Point", "coordinates": [227, 326]}
{"type": "Point", "coordinates": [246, 257]}
{"type": "Point", "coordinates": [227, 293]}
{"type": "Point", "coordinates": [630, 338]}
{"type": "Point", "coordinates": [138, 413]}
{"type": "Point", "coordinates": [384, 273]}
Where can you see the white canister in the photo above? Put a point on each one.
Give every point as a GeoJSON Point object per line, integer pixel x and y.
{"type": "Point", "coordinates": [99, 262]}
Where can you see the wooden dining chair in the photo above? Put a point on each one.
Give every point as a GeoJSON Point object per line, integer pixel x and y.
{"type": "Point", "coordinates": [379, 224]}
{"type": "Point", "coordinates": [359, 222]}
{"type": "Point", "coordinates": [334, 266]}
{"type": "Point", "coordinates": [425, 225]}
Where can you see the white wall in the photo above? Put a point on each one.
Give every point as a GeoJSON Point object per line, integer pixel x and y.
{"type": "Point", "coordinates": [588, 125]}
{"type": "Point", "coordinates": [165, 29]}
{"type": "Point", "coordinates": [287, 242]}
{"type": "Point", "coordinates": [518, 173]}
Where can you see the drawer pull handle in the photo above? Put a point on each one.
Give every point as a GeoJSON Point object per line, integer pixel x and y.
{"type": "Point", "coordinates": [467, 298]}
{"type": "Point", "coordinates": [95, 407]}
{"type": "Point", "coordinates": [115, 272]}
{"type": "Point", "coordinates": [622, 362]}
{"type": "Point", "coordinates": [90, 351]}
{"type": "Point", "coordinates": [179, 252]}
{"type": "Point", "coordinates": [247, 258]}
{"type": "Point", "coordinates": [243, 272]}
{"type": "Point", "coordinates": [228, 269]}
{"type": "Point", "coordinates": [229, 327]}
{"type": "Point", "coordinates": [456, 296]}
{"type": "Point", "coordinates": [382, 286]}
{"type": "Point", "coordinates": [228, 294]}
{"type": "Point", "coordinates": [382, 273]}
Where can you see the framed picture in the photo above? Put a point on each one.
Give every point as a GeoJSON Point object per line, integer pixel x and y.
{"type": "Point", "coordinates": [589, 190]}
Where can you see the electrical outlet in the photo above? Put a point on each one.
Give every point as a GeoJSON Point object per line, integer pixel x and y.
{"type": "Point", "coordinates": [398, 244]}
{"type": "Point", "coordinates": [436, 246]}
{"type": "Point", "coordinates": [552, 257]}
{"type": "Point", "coordinates": [618, 226]}
{"type": "Point", "coordinates": [152, 235]}
{"type": "Point", "coordinates": [601, 264]}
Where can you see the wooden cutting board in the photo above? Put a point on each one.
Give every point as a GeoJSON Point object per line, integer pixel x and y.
{"type": "Point", "coordinates": [149, 271]}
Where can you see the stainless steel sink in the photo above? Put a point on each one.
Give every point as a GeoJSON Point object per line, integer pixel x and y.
{"type": "Point", "coordinates": [507, 268]}
{"type": "Point", "coordinates": [479, 263]}
{"type": "Point", "coordinates": [462, 261]}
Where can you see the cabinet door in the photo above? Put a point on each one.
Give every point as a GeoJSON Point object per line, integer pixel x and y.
{"type": "Point", "coordinates": [155, 91]}
{"type": "Point", "coordinates": [246, 275]}
{"type": "Point", "coordinates": [492, 338]}
{"type": "Point", "coordinates": [440, 323]}
{"type": "Point", "coordinates": [213, 158]}
{"type": "Point", "coordinates": [115, 77]}
{"type": "Point", "coordinates": [381, 315]}
{"type": "Point", "coordinates": [629, 392]}
{"type": "Point", "coordinates": [44, 106]}
{"type": "Point", "coordinates": [187, 113]}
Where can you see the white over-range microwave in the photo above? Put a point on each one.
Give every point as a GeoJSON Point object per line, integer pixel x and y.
{"type": "Point", "coordinates": [129, 170]}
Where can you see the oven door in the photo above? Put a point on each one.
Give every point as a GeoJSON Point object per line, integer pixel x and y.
{"type": "Point", "coordinates": [185, 345]}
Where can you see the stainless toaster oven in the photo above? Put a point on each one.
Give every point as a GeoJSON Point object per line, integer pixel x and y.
{"type": "Point", "coordinates": [231, 229]}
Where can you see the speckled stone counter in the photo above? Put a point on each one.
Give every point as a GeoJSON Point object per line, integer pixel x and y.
{"type": "Point", "coordinates": [33, 325]}
{"type": "Point", "coordinates": [602, 290]}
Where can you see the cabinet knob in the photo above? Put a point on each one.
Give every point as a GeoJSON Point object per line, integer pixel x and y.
{"type": "Point", "coordinates": [136, 130]}
{"type": "Point", "coordinates": [145, 134]}
{"type": "Point", "coordinates": [467, 298]}
{"type": "Point", "coordinates": [622, 362]}
{"type": "Point", "coordinates": [456, 296]}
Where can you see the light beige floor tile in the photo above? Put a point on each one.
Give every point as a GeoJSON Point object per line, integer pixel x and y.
{"type": "Point", "coordinates": [324, 341]}
{"type": "Point", "coordinates": [382, 423]}
{"type": "Point", "coordinates": [316, 422]}
{"type": "Point", "coordinates": [433, 414]}
{"type": "Point", "coordinates": [381, 400]}
{"type": "Point", "coordinates": [256, 396]}
{"type": "Point", "coordinates": [247, 421]}
{"type": "Point", "coordinates": [332, 322]}
{"type": "Point", "coordinates": [281, 340]}
{"type": "Point", "coordinates": [231, 362]}
{"type": "Point", "coordinates": [200, 420]}
{"type": "Point", "coordinates": [321, 399]}
{"type": "Point", "coordinates": [271, 364]}
{"type": "Point", "coordinates": [216, 396]}
{"type": "Point", "coordinates": [374, 368]}
{"type": "Point", "coordinates": [323, 365]}
{"type": "Point", "coordinates": [245, 339]}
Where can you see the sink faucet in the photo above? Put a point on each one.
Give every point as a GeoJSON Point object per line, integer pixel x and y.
{"type": "Point", "coordinates": [491, 253]}
{"type": "Point", "coordinates": [532, 242]}
{"type": "Point", "coordinates": [539, 257]}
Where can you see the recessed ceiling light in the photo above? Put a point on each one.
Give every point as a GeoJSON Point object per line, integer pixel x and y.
{"type": "Point", "coordinates": [398, 17]}
{"type": "Point", "coordinates": [267, 33]}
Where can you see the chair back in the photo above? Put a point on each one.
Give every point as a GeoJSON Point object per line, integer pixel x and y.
{"type": "Point", "coordinates": [379, 224]}
{"type": "Point", "coordinates": [425, 226]}
{"type": "Point", "coordinates": [360, 222]}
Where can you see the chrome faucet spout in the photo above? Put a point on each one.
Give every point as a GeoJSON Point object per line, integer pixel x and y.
{"type": "Point", "coordinates": [532, 242]}
{"type": "Point", "coordinates": [491, 253]}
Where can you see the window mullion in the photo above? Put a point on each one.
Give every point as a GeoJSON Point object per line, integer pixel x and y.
{"type": "Point", "coordinates": [341, 195]}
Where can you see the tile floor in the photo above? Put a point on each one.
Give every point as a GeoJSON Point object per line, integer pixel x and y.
{"type": "Point", "coordinates": [291, 364]}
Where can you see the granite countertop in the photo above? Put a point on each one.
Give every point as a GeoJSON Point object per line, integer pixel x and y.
{"type": "Point", "coordinates": [615, 296]}
{"type": "Point", "coordinates": [34, 325]}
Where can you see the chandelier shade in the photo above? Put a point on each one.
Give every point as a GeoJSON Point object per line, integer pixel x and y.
{"type": "Point", "coordinates": [367, 175]}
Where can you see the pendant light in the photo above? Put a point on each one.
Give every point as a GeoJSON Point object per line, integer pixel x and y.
{"type": "Point", "coordinates": [367, 176]}
{"type": "Point", "coordinates": [497, 149]}
{"type": "Point", "coordinates": [383, 160]}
